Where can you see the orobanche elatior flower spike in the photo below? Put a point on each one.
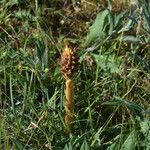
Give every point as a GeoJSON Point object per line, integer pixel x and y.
{"type": "Point", "coordinates": [68, 67]}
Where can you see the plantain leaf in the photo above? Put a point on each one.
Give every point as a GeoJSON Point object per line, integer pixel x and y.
{"type": "Point", "coordinates": [135, 108]}
{"type": "Point", "coordinates": [130, 142]}
{"type": "Point", "coordinates": [96, 30]}
{"type": "Point", "coordinates": [130, 38]}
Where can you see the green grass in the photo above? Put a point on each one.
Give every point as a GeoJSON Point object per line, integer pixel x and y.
{"type": "Point", "coordinates": [111, 85]}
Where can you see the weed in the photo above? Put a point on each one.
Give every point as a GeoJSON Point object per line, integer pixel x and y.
{"type": "Point", "coordinates": [111, 85]}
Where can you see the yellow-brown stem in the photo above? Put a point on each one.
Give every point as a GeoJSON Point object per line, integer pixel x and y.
{"type": "Point", "coordinates": [69, 102]}
{"type": "Point", "coordinates": [68, 67]}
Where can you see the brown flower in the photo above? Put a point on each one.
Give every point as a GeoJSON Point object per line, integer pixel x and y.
{"type": "Point", "coordinates": [68, 62]}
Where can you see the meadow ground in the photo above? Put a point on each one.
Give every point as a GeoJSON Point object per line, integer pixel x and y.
{"type": "Point", "coordinates": [111, 84]}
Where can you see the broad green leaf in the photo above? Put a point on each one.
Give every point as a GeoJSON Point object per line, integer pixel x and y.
{"type": "Point", "coordinates": [130, 142]}
{"type": "Point", "coordinates": [114, 145]}
{"type": "Point", "coordinates": [24, 15]}
{"type": "Point", "coordinates": [96, 30]}
{"type": "Point", "coordinates": [130, 38]}
{"type": "Point", "coordinates": [114, 102]}
{"type": "Point", "coordinates": [18, 145]}
{"type": "Point", "coordinates": [145, 126]}
{"type": "Point", "coordinates": [68, 147]}
{"type": "Point", "coordinates": [107, 62]}
{"type": "Point", "coordinates": [135, 108]}
{"type": "Point", "coordinates": [145, 129]}
{"type": "Point", "coordinates": [85, 145]}
{"type": "Point", "coordinates": [118, 18]}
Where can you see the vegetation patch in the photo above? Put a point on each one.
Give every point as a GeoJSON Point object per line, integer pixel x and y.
{"type": "Point", "coordinates": [97, 89]}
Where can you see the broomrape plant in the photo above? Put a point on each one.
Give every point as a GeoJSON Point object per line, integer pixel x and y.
{"type": "Point", "coordinates": [68, 66]}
